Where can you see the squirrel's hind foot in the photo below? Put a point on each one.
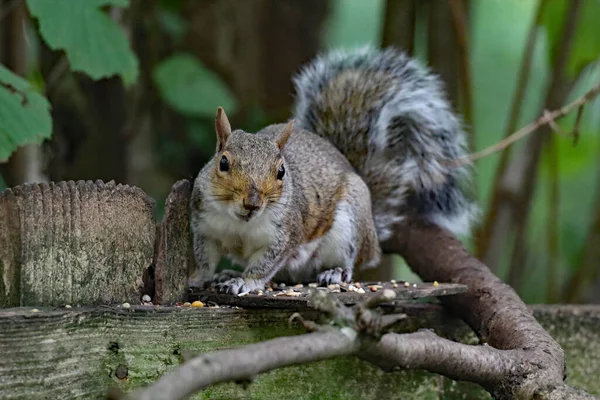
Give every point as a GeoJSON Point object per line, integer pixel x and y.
{"type": "Point", "coordinates": [334, 276]}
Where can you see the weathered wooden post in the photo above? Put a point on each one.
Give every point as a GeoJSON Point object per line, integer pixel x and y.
{"type": "Point", "coordinates": [74, 243]}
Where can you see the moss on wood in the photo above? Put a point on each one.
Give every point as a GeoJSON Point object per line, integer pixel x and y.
{"type": "Point", "coordinates": [80, 353]}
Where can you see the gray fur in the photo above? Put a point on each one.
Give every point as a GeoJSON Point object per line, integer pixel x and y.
{"type": "Point", "coordinates": [390, 117]}
{"type": "Point", "coordinates": [319, 186]}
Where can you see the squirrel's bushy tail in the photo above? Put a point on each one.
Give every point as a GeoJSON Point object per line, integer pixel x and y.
{"type": "Point", "coordinates": [390, 117]}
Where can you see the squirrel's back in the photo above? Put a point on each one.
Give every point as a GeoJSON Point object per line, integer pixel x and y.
{"type": "Point", "coordinates": [390, 117]}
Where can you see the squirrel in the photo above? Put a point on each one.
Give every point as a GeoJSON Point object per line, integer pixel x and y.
{"type": "Point", "coordinates": [314, 198]}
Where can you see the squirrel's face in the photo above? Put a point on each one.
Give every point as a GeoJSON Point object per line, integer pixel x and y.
{"type": "Point", "coordinates": [249, 173]}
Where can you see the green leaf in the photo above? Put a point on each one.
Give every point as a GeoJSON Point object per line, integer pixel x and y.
{"type": "Point", "coordinates": [93, 42]}
{"type": "Point", "coordinates": [24, 114]}
{"type": "Point", "coordinates": [191, 88]}
{"type": "Point", "coordinates": [586, 42]}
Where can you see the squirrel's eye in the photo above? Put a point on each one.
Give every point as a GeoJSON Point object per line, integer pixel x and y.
{"type": "Point", "coordinates": [224, 164]}
{"type": "Point", "coordinates": [280, 172]}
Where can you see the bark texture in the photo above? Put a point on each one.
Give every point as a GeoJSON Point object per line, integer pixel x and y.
{"type": "Point", "coordinates": [490, 307]}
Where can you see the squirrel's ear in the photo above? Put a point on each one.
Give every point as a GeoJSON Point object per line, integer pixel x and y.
{"type": "Point", "coordinates": [223, 128]}
{"type": "Point", "coordinates": [285, 134]}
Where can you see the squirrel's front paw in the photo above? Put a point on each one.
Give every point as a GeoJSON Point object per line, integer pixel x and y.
{"type": "Point", "coordinates": [226, 275]}
{"type": "Point", "coordinates": [237, 286]}
{"type": "Point", "coordinates": [334, 277]}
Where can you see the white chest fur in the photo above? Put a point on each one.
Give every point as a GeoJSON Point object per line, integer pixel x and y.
{"type": "Point", "coordinates": [239, 240]}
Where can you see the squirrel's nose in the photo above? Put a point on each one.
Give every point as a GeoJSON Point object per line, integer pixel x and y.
{"type": "Point", "coordinates": [252, 202]}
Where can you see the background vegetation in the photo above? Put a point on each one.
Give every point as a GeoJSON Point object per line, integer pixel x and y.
{"type": "Point", "coordinates": [127, 90]}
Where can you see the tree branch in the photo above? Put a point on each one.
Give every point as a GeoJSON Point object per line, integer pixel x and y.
{"type": "Point", "coordinates": [425, 350]}
{"type": "Point", "coordinates": [490, 307]}
{"type": "Point", "coordinates": [545, 119]}
{"type": "Point", "coordinates": [241, 364]}
{"type": "Point", "coordinates": [518, 358]}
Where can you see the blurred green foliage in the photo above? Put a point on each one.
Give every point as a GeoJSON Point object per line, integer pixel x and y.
{"type": "Point", "coordinates": [24, 114]}
{"type": "Point", "coordinates": [586, 44]}
{"type": "Point", "coordinates": [192, 89]}
{"type": "Point", "coordinates": [92, 41]}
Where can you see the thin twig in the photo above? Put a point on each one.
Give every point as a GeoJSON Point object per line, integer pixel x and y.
{"type": "Point", "coordinates": [526, 164]}
{"type": "Point", "coordinates": [484, 237]}
{"type": "Point", "coordinates": [382, 297]}
{"type": "Point", "coordinates": [577, 123]}
{"type": "Point", "coordinates": [554, 126]}
{"type": "Point", "coordinates": [541, 121]}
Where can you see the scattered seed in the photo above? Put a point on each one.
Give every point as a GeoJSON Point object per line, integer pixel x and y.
{"type": "Point", "coordinates": [333, 287]}
{"type": "Point", "coordinates": [299, 286]}
{"type": "Point", "coordinates": [351, 288]}
{"type": "Point", "coordinates": [197, 304]}
{"type": "Point", "coordinates": [269, 289]}
{"type": "Point", "coordinates": [121, 372]}
{"type": "Point", "coordinates": [187, 304]}
{"type": "Point", "coordinates": [414, 285]}
{"type": "Point", "coordinates": [313, 285]}
{"type": "Point", "coordinates": [394, 285]}
{"type": "Point", "coordinates": [35, 310]}
{"type": "Point", "coordinates": [435, 283]}
{"type": "Point", "coordinates": [67, 306]}
{"type": "Point", "coordinates": [393, 281]}
{"type": "Point", "coordinates": [260, 292]}
{"type": "Point", "coordinates": [126, 305]}
{"type": "Point", "coordinates": [146, 298]}
{"type": "Point", "coordinates": [373, 288]}
{"type": "Point", "coordinates": [406, 284]}
{"type": "Point", "coordinates": [282, 285]}
{"type": "Point", "coordinates": [361, 291]}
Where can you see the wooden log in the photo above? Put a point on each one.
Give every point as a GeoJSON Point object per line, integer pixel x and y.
{"type": "Point", "coordinates": [10, 250]}
{"type": "Point", "coordinates": [174, 248]}
{"type": "Point", "coordinates": [74, 243]}
{"type": "Point", "coordinates": [82, 352]}
{"type": "Point", "coordinates": [297, 297]}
